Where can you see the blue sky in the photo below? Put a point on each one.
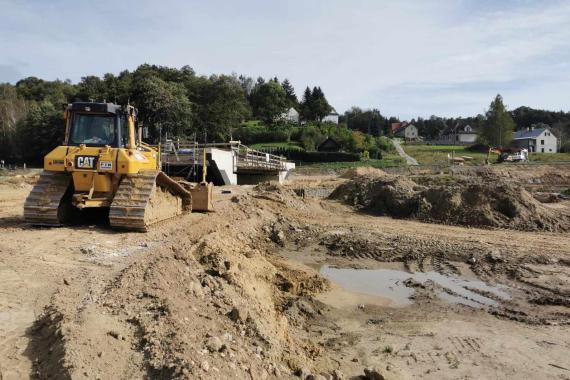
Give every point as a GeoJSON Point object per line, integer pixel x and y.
{"type": "Point", "coordinates": [408, 58]}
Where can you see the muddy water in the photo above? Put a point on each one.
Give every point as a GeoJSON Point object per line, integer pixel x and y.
{"type": "Point", "coordinates": [389, 283]}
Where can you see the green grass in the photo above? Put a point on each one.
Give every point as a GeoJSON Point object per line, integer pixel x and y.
{"type": "Point", "coordinates": [291, 145]}
{"type": "Point", "coordinates": [549, 157]}
{"type": "Point", "coordinates": [437, 154]}
{"type": "Point", "coordinates": [251, 123]}
{"type": "Point", "coordinates": [389, 161]}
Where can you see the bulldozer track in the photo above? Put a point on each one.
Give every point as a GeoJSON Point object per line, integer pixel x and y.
{"type": "Point", "coordinates": [137, 202]}
{"type": "Point", "coordinates": [43, 203]}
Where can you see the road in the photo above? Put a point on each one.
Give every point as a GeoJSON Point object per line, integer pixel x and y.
{"type": "Point", "coordinates": [409, 160]}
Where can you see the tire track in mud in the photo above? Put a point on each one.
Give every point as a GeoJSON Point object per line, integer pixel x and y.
{"type": "Point", "coordinates": [545, 283]}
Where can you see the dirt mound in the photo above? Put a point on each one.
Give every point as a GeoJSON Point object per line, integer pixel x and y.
{"type": "Point", "coordinates": [470, 201]}
{"type": "Point", "coordinates": [205, 304]}
{"type": "Point", "coordinates": [389, 195]}
{"type": "Point", "coordinates": [363, 172]}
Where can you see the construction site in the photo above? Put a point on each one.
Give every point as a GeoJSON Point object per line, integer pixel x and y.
{"type": "Point", "coordinates": [298, 190]}
{"type": "Point", "coordinates": [362, 273]}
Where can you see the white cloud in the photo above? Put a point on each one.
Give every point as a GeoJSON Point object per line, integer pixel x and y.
{"type": "Point", "coordinates": [408, 58]}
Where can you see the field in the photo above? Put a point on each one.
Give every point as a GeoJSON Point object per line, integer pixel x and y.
{"type": "Point", "coordinates": [549, 157]}
{"type": "Point", "coordinates": [438, 154]}
{"type": "Point", "coordinates": [389, 161]}
{"type": "Point", "coordinates": [274, 285]}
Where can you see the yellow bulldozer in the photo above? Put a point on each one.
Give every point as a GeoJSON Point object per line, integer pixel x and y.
{"type": "Point", "coordinates": [103, 163]}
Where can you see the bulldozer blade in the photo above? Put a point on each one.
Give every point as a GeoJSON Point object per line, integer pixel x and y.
{"type": "Point", "coordinates": [202, 197]}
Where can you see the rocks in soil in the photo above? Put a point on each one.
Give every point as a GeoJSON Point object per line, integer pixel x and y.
{"type": "Point", "coordinates": [239, 314]}
{"type": "Point", "coordinates": [337, 375]}
{"type": "Point", "coordinates": [315, 377]}
{"type": "Point", "coordinates": [373, 374]}
{"type": "Point", "coordinates": [214, 344]}
{"type": "Point", "coordinates": [303, 373]}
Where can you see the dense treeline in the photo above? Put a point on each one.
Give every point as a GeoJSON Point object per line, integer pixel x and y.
{"type": "Point", "coordinates": [173, 102]}
{"type": "Point", "coordinates": [178, 102]}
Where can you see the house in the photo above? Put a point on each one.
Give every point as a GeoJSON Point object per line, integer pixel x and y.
{"type": "Point", "coordinates": [458, 135]}
{"type": "Point", "coordinates": [332, 117]}
{"type": "Point", "coordinates": [292, 115]}
{"type": "Point", "coordinates": [329, 145]}
{"type": "Point", "coordinates": [405, 130]}
{"type": "Point", "coordinates": [539, 140]}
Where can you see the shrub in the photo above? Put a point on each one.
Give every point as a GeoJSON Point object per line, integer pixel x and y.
{"type": "Point", "coordinates": [322, 156]}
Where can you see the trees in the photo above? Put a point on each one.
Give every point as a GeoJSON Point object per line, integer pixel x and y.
{"type": "Point", "coordinates": [314, 106]}
{"type": "Point", "coordinates": [357, 141]}
{"type": "Point", "coordinates": [220, 105]}
{"type": "Point", "coordinates": [91, 88]}
{"type": "Point", "coordinates": [162, 105]}
{"type": "Point", "coordinates": [305, 106]}
{"type": "Point", "coordinates": [40, 131]}
{"type": "Point", "coordinates": [35, 89]}
{"type": "Point", "coordinates": [320, 106]}
{"type": "Point", "coordinates": [13, 108]}
{"type": "Point", "coordinates": [499, 125]}
{"type": "Point", "coordinates": [311, 137]}
{"type": "Point", "coordinates": [268, 100]}
{"type": "Point", "coordinates": [432, 127]}
{"type": "Point", "coordinates": [290, 94]}
{"type": "Point", "coordinates": [246, 84]}
{"type": "Point", "coordinates": [369, 121]}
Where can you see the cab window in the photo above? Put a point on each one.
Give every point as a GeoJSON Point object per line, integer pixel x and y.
{"type": "Point", "coordinates": [94, 130]}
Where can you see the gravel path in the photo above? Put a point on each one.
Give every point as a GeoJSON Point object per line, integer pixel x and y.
{"type": "Point", "coordinates": [409, 160]}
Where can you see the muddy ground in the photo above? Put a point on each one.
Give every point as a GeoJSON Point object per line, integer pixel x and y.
{"type": "Point", "coordinates": [248, 292]}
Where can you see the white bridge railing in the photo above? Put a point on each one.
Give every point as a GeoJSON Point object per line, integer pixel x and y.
{"type": "Point", "coordinates": [245, 159]}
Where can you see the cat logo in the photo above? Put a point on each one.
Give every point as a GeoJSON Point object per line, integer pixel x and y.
{"type": "Point", "coordinates": [85, 162]}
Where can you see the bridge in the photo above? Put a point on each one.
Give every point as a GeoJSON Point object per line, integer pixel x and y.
{"type": "Point", "coordinates": [227, 163]}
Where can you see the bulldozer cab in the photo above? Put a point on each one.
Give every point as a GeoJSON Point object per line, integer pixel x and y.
{"type": "Point", "coordinates": [99, 125]}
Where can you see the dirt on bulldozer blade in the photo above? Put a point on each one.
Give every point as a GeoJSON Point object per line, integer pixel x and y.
{"type": "Point", "coordinates": [389, 277]}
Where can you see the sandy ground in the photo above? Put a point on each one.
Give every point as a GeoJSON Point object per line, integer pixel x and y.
{"type": "Point", "coordinates": [237, 294]}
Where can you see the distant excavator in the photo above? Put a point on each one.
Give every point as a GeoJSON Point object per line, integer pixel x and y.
{"type": "Point", "coordinates": [508, 154]}
{"type": "Point", "coordinates": [102, 164]}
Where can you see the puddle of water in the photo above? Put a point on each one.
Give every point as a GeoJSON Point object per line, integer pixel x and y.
{"type": "Point", "coordinates": [390, 283]}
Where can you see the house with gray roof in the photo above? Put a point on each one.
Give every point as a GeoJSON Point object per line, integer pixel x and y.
{"type": "Point", "coordinates": [458, 135]}
{"type": "Point", "coordinates": [539, 140]}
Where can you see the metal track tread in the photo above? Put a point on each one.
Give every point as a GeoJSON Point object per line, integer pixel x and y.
{"type": "Point", "coordinates": [42, 204]}
{"type": "Point", "coordinates": [136, 196]}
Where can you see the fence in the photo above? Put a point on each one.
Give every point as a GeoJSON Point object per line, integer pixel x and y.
{"type": "Point", "coordinates": [245, 158]}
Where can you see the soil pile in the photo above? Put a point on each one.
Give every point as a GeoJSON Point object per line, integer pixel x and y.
{"type": "Point", "coordinates": [485, 201]}
{"type": "Point", "coordinates": [363, 171]}
{"type": "Point", "coordinates": [207, 302]}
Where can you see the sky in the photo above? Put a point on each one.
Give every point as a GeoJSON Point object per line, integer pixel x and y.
{"type": "Point", "coordinates": [407, 58]}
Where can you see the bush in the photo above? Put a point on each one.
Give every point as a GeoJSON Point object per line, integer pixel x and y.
{"type": "Point", "coordinates": [253, 134]}
{"type": "Point", "coordinates": [480, 148]}
{"type": "Point", "coordinates": [384, 144]}
{"type": "Point", "coordinates": [311, 137]}
{"type": "Point", "coordinates": [296, 155]}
